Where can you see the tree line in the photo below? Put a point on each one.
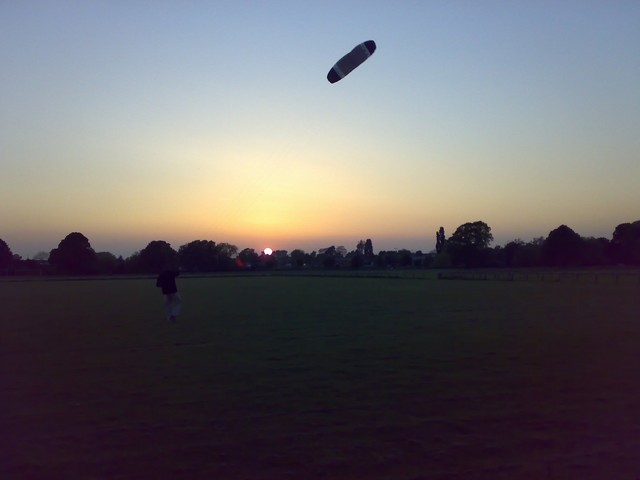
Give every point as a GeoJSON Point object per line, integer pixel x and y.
{"type": "Point", "coordinates": [468, 247]}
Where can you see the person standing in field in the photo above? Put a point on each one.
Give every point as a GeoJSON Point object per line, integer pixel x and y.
{"type": "Point", "coordinates": [172, 301]}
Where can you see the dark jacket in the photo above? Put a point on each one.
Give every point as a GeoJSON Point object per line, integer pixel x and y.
{"type": "Point", "coordinates": [167, 281]}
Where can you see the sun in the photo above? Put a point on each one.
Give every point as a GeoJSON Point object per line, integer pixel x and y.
{"type": "Point", "coordinates": [268, 251]}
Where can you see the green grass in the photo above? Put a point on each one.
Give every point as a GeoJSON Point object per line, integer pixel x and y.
{"type": "Point", "coordinates": [320, 377]}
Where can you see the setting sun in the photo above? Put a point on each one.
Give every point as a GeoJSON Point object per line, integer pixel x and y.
{"type": "Point", "coordinates": [268, 251]}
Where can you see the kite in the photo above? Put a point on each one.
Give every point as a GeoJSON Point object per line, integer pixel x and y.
{"type": "Point", "coordinates": [351, 60]}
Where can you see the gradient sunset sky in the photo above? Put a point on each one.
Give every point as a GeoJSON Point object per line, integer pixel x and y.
{"type": "Point", "coordinates": [132, 121]}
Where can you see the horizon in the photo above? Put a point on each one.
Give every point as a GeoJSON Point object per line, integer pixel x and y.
{"type": "Point", "coordinates": [126, 249]}
{"type": "Point", "coordinates": [184, 122]}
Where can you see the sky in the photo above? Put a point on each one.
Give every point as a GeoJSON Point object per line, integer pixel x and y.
{"type": "Point", "coordinates": [131, 121]}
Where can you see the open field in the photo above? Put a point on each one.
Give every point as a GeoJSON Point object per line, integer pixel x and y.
{"type": "Point", "coordinates": [320, 378]}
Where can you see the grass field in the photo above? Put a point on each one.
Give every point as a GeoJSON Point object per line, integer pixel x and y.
{"type": "Point", "coordinates": [320, 378]}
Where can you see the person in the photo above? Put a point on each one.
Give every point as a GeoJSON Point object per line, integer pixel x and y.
{"type": "Point", "coordinates": [172, 301]}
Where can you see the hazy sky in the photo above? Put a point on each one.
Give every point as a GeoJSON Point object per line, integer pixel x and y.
{"type": "Point", "coordinates": [132, 121]}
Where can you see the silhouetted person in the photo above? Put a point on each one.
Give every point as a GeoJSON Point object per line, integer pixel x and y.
{"type": "Point", "coordinates": [172, 301]}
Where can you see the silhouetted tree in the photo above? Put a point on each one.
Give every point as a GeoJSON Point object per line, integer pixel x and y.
{"type": "Point", "coordinates": [442, 260]}
{"type": "Point", "coordinates": [496, 257]}
{"type": "Point", "coordinates": [298, 258]}
{"type": "Point", "coordinates": [248, 258]}
{"type": "Point", "coordinates": [121, 265]}
{"type": "Point", "coordinates": [155, 256]}
{"type": "Point", "coordinates": [311, 259]}
{"type": "Point", "coordinates": [268, 261]}
{"type": "Point", "coordinates": [360, 247]}
{"type": "Point", "coordinates": [382, 260]}
{"type": "Point", "coordinates": [395, 259]}
{"type": "Point", "coordinates": [74, 255]}
{"type": "Point", "coordinates": [226, 254]}
{"type": "Point", "coordinates": [530, 255]}
{"type": "Point", "coordinates": [428, 259]}
{"type": "Point", "coordinates": [368, 251]}
{"type": "Point", "coordinates": [281, 258]}
{"type": "Point", "coordinates": [563, 248]}
{"type": "Point", "coordinates": [6, 257]}
{"type": "Point", "coordinates": [509, 251]}
{"type": "Point", "coordinates": [199, 256]}
{"type": "Point", "coordinates": [595, 251]}
{"type": "Point", "coordinates": [132, 264]}
{"type": "Point", "coordinates": [440, 240]}
{"type": "Point", "coordinates": [327, 256]}
{"type": "Point", "coordinates": [341, 251]}
{"type": "Point", "coordinates": [625, 244]}
{"type": "Point", "coordinates": [405, 257]}
{"type": "Point", "coordinates": [469, 244]}
{"type": "Point", "coordinates": [518, 254]}
{"type": "Point", "coordinates": [106, 263]}
{"type": "Point", "coordinates": [355, 259]}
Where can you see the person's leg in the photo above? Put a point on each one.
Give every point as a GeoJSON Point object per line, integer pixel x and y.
{"type": "Point", "coordinates": [176, 305]}
{"type": "Point", "coordinates": [168, 307]}
{"type": "Point", "coordinates": [173, 304]}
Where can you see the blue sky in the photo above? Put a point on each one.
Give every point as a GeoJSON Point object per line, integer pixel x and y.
{"type": "Point", "coordinates": [137, 121]}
